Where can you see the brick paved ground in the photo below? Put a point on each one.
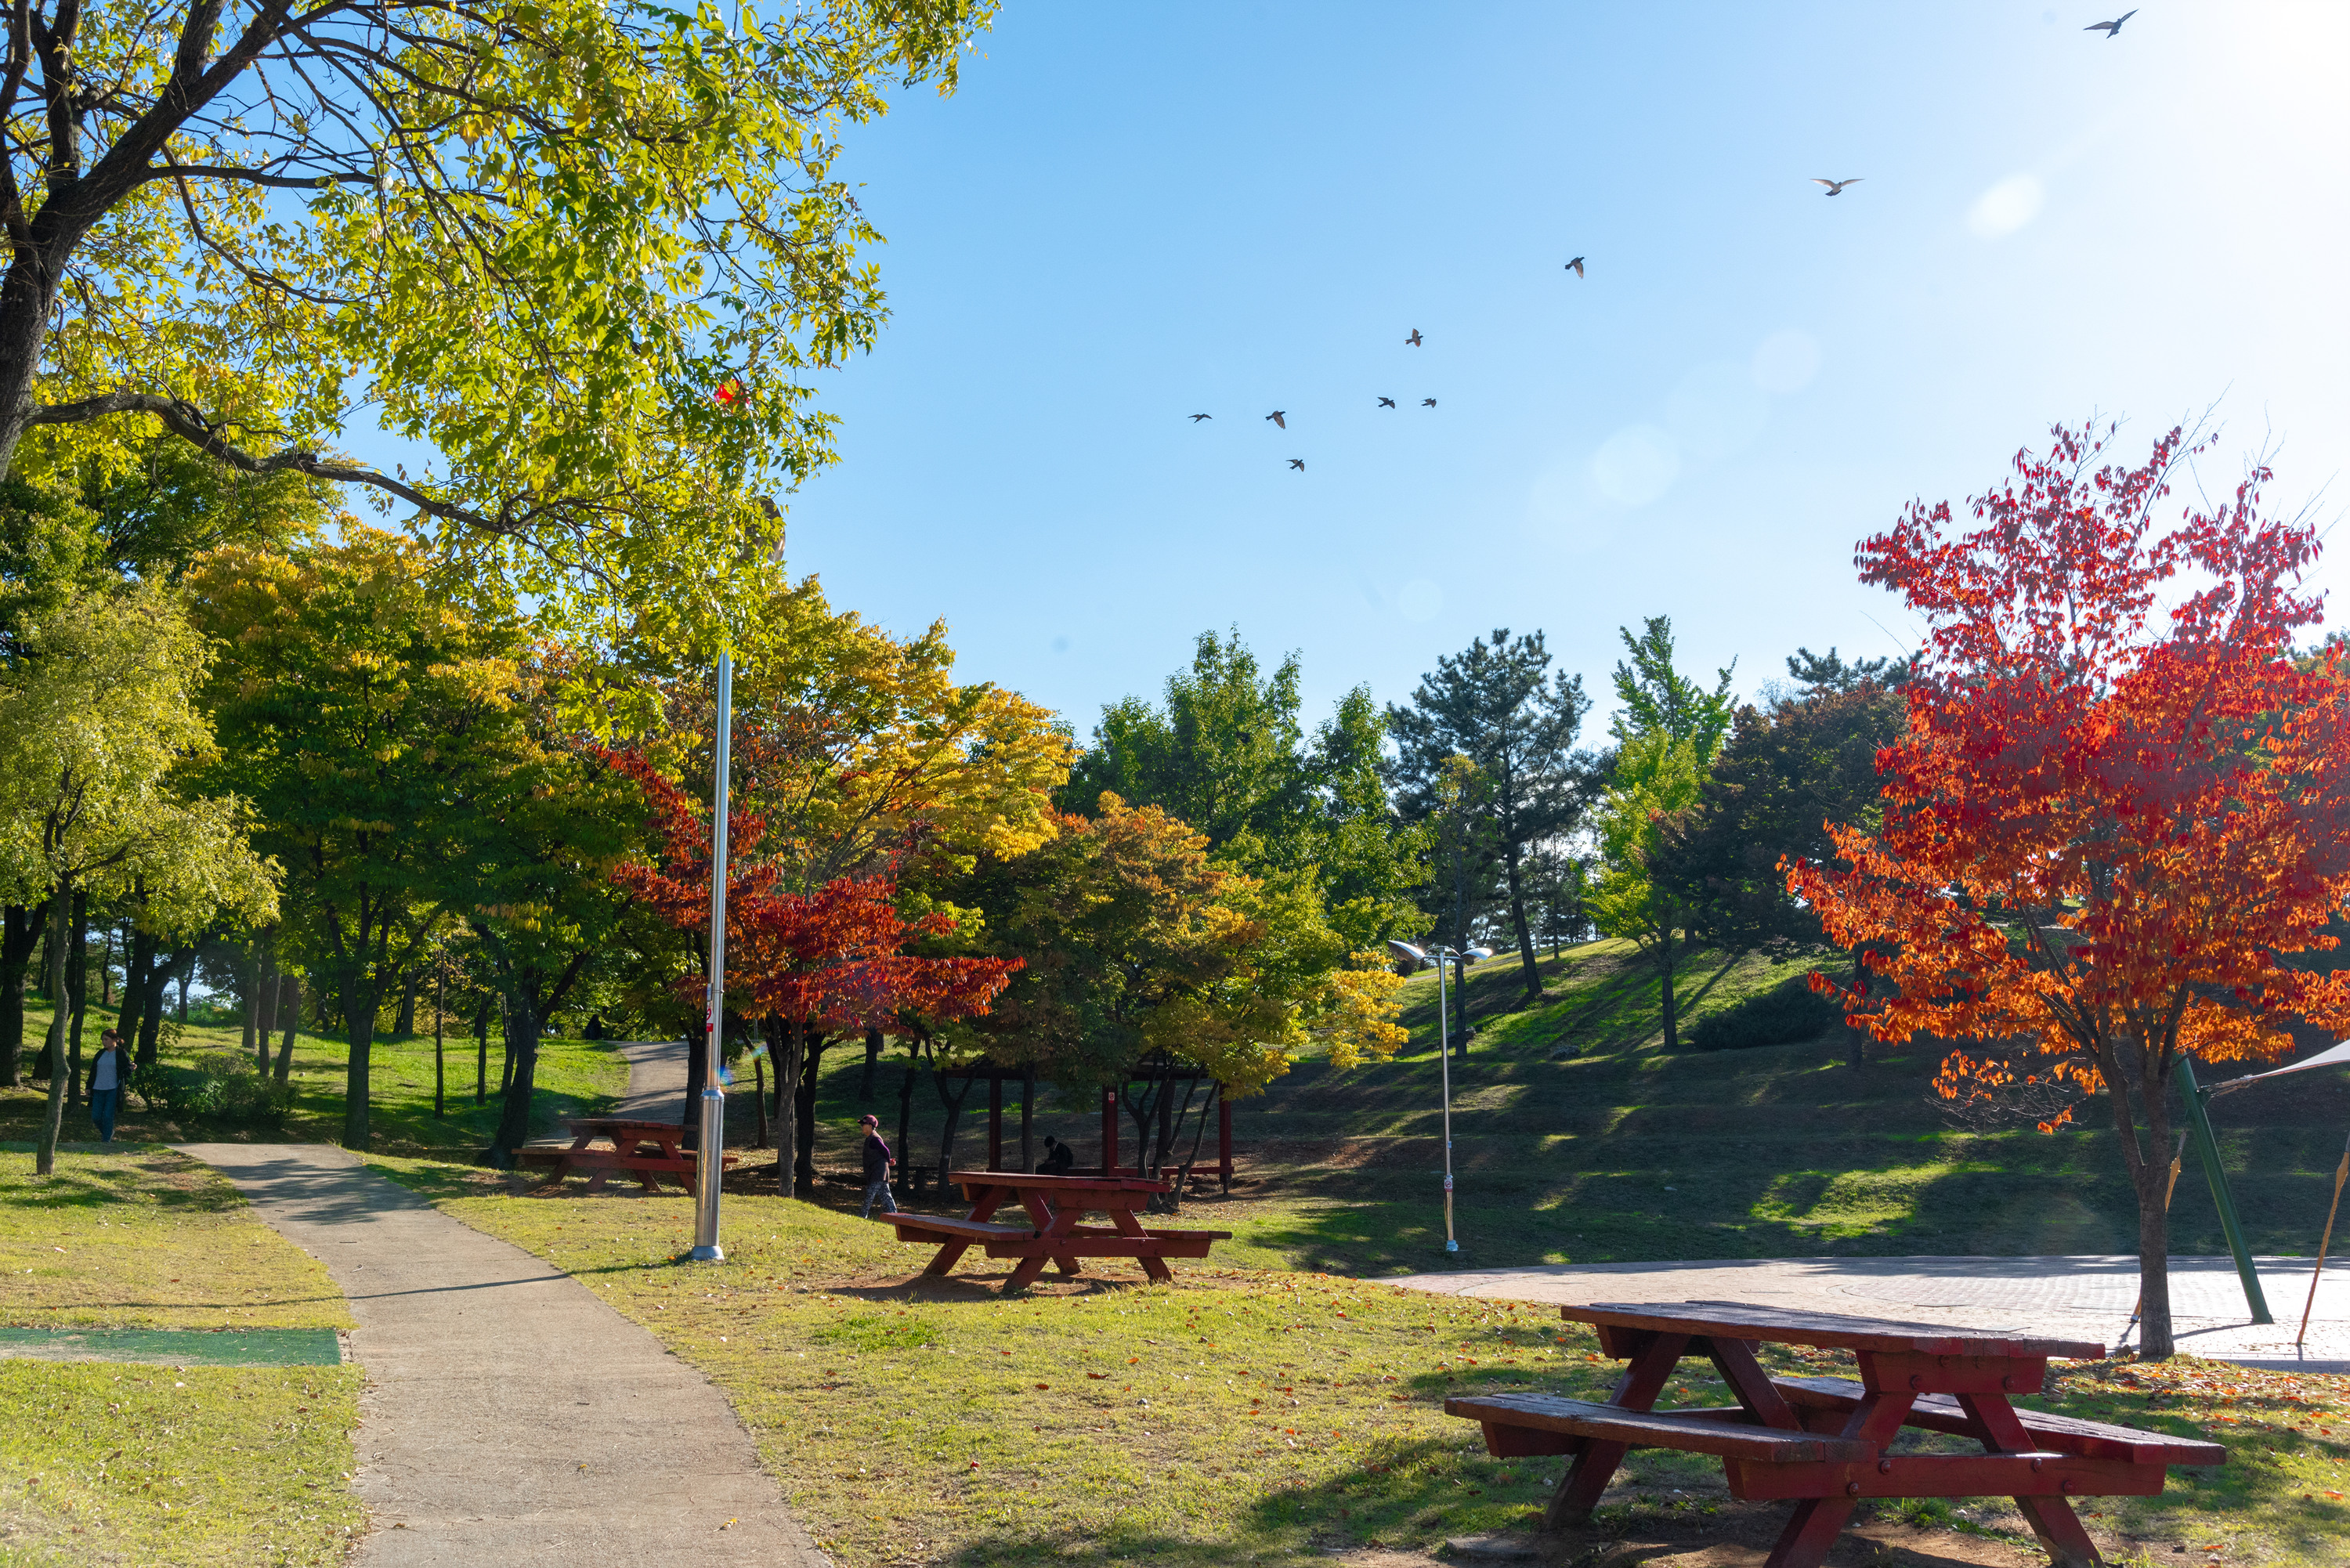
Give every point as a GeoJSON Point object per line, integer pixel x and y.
{"type": "Point", "coordinates": [2077, 1297]}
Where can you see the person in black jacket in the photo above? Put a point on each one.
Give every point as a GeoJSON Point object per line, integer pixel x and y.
{"type": "Point", "coordinates": [106, 1074]}
{"type": "Point", "coordinates": [1058, 1158]}
{"type": "Point", "coordinates": [878, 1162]}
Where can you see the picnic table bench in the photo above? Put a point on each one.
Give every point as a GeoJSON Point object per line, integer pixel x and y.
{"type": "Point", "coordinates": [648, 1150]}
{"type": "Point", "coordinates": [1054, 1234]}
{"type": "Point", "coordinates": [1821, 1442]}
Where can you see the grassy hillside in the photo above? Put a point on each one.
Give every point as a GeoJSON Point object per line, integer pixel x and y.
{"type": "Point", "coordinates": [1622, 1151]}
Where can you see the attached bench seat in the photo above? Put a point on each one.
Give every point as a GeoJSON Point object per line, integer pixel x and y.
{"type": "Point", "coordinates": [1837, 1397]}
{"type": "Point", "coordinates": [939, 1227]}
{"type": "Point", "coordinates": [1522, 1425]}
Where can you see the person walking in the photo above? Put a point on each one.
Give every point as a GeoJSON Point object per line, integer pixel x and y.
{"type": "Point", "coordinates": [878, 1162]}
{"type": "Point", "coordinates": [106, 1078]}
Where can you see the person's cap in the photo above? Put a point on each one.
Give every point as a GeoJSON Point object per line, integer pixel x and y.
{"type": "Point", "coordinates": [870, 1121]}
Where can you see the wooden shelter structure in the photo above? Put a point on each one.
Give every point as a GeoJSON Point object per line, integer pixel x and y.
{"type": "Point", "coordinates": [1158, 1069]}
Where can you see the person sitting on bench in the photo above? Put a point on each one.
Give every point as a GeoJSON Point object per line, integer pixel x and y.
{"type": "Point", "coordinates": [1058, 1158]}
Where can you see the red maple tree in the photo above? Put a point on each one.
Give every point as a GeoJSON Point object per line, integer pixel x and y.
{"type": "Point", "coordinates": [827, 960]}
{"type": "Point", "coordinates": [2113, 830]}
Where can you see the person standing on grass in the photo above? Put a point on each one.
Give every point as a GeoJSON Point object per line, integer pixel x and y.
{"type": "Point", "coordinates": [106, 1085]}
{"type": "Point", "coordinates": [878, 1162]}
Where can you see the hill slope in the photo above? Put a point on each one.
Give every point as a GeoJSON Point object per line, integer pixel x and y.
{"type": "Point", "coordinates": [1625, 1152]}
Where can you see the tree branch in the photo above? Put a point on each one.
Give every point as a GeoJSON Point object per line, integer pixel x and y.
{"type": "Point", "coordinates": [186, 421]}
{"type": "Point", "coordinates": [255, 176]}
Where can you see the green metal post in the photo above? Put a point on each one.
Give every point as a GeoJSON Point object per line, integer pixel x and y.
{"type": "Point", "coordinates": [2208, 1147]}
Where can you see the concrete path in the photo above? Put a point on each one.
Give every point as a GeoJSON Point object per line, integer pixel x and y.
{"type": "Point", "coordinates": [656, 1080]}
{"type": "Point", "coordinates": [2084, 1298]}
{"type": "Point", "coordinates": [510, 1416]}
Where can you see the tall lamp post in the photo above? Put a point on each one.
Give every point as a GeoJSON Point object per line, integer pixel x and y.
{"type": "Point", "coordinates": [710, 1163]}
{"type": "Point", "coordinates": [1420, 958]}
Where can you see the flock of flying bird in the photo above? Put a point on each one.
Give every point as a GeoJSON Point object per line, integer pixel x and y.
{"type": "Point", "coordinates": [1279, 416]}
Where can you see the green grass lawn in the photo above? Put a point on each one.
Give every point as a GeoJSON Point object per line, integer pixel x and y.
{"type": "Point", "coordinates": [157, 1464]}
{"type": "Point", "coordinates": [1250, 1417]}
{"type": "Point", "coordinates": [575, 1077]}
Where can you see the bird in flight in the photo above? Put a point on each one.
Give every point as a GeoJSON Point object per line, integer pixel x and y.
{"type": "Point", "coordinates": [1414, 338]}
{"type": "Point", "coordinates": [1428, 402]}
{"type": "Point", "coordinates": [2112, 29]}
{"type": "Point", "coordinates": [1835, 187]}
{"type": "Point", "coordinates": [1576, 267]}
{"type": "Point", "coordinates": [1276, 417]}
{"type": "Point", "coordinates": [1197, 418]}
{"type": "Point", "coordinates": [1298, 464]}
{"type": "Point", "coordinates": [1386, 402]}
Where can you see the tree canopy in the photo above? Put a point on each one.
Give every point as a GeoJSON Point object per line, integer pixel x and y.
{"type": "Point", "coordinates": [2114, 818]}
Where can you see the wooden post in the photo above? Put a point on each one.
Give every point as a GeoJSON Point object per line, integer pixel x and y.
{"type": "Point", "coordinates": [994, 1121]}
{"type": "Point", "coordinates": [1027, 1108]}
{"type": "Point", "coordinates": [1223, 1138]}
{"type": "Point", "coordinates": [1110, 1130]}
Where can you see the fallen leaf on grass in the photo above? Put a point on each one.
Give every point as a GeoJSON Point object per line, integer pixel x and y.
{"type": "Point", "coordinates": [1098, 1377]}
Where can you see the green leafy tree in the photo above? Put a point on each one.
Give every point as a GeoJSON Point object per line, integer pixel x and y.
{"type": "Point", "coordinates": [368, 711]}
{"type": "Point", "coordinates": [588, 252]}
{"type": "Point", "coordinates": [1226, 753]}
{"type": "Point", "coordinates": [1500, 705]}
{"type": "Point", "coordinates": [99, 727]}
{"type": "Point", "coordinates": [1668, 729]}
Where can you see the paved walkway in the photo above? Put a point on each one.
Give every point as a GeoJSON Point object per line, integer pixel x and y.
{"type": "Point", "coordinates": [2077, 1297]}
{"type": "Point", "coordinates": [510, 1416]}
{"type": "Point", "coordinates": [656, 1080]}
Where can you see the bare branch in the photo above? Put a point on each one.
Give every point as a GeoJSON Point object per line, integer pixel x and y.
{"type": "Point", "coordinates": [255, 176]}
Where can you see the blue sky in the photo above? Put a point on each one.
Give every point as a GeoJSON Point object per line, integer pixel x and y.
{"type": "Point", "coordinates": [1134, 212]}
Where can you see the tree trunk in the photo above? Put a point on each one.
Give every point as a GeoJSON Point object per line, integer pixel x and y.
{"type": "Point", "coordinates": [2150, 1177]}
{"type": "Point", "coordinates": [906, 1107]}
{"type": "Point", "coordinates": [359, 1001]}
{"type": "Point", "coordinates": [150, 1013]}
{"type": "Point", "coordinates": [289, 1008]}
{"type": "Point", "coordinates": [804, 1109]}
{"type": "Point", "coordinates": [106, 968]}
{"type": "Point", "coordinates": [787, 1100]}
{"type": "Point", "coordinates": [77, 993]}
{"type": "Point", "coordinates": [45, 1158]}
{"type": "Point", "coordinates": [953, 1103]}
{"type": "Point", "coordinates": [522, 1075]}
{"type": "Point", "coordinates": [21, 930]}
{"type": "Point", "coordinates": [872, 1065]}
{"type": "Point", "coordinates": [1665, 967]}
{"type": "Point", "coordinates": [1526, 962]}
{"type": "Point", "coordinates": [252, 978]}
{"type": "Point", "coordinates": [405, 1024]}
{"type": "Point", "coordinates": [186, 969]}
{"type": "Point", "coordinates": [482, 1056]}
{"type": "Point", "coordinates": [266, 1013]}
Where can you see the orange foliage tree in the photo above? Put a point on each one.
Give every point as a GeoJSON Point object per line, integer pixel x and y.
{"type": "Point", "coordinates": [2113, 830]}
{"type": "Point", "coordinates": [829, 959]}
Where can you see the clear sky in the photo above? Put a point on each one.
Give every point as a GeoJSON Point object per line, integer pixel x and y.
{"type": "Point", "coordinates": [1135, 212]}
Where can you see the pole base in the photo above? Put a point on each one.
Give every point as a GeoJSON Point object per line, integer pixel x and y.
{"type": "Point", "coordinates": [1452, 1246]}
{"type": "Point", "coordinates": [713, 1253]}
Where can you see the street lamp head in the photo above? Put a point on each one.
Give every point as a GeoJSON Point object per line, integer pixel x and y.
{"type": "Point", "coordinates": [1473, 954]}
{"type": "Point", "coordinates": [1407, 953]}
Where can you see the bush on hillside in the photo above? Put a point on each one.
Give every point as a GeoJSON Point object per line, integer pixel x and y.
{"type": "Point", "coordinates": [1788, 1012]}
{"type": "Point", "coordinates": [221, 1087]}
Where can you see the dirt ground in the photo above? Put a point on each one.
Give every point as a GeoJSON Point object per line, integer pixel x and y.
{"type": "Point", "coordinates": [1735, 1535]}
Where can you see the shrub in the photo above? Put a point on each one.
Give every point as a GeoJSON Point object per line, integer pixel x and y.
{"type": "Point", "coordinates": [223, 1086]}
{"type": "Point", "coordinates": [1788, 1012]}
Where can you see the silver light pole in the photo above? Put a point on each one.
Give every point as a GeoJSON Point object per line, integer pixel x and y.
{"type": "Point", "coordinates": [709, 1164]}
{"type": "Point", "coordinates": [1422, 957]}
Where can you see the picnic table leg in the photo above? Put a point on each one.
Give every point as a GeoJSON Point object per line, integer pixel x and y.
{"type": "Point", "coordinates": [1811, 1531]}
{"type": "Point", "coordinates": [1025, 1274]}
{"type": "Point", "coordinates": [2051, 1519]}
{"type": "Point", "coordinates": [950, 1254]}
{"type": "Point", "coordinates": [1816, 1523]}
{"type": "Point", "coordinates": [1587, 1477]}
{"type": "Point", "coordinates": [1127, 1225]}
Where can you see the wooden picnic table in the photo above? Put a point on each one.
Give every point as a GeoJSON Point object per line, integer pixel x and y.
{"type": "Point", "coordinates": [1824, 1442]}
{"type": "Point", "coordinates": [648, 1150]}
{"type": "Point", "coordinates": [1054, 1205]}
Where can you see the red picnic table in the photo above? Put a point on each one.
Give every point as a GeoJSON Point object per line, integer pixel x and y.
{"type": "Point", "coordinates": [649, 1150]}
{"type": "Point", "coordinates": [1055, 1204]}
{"type": "Point", "coordinates": [1825, 1441]}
